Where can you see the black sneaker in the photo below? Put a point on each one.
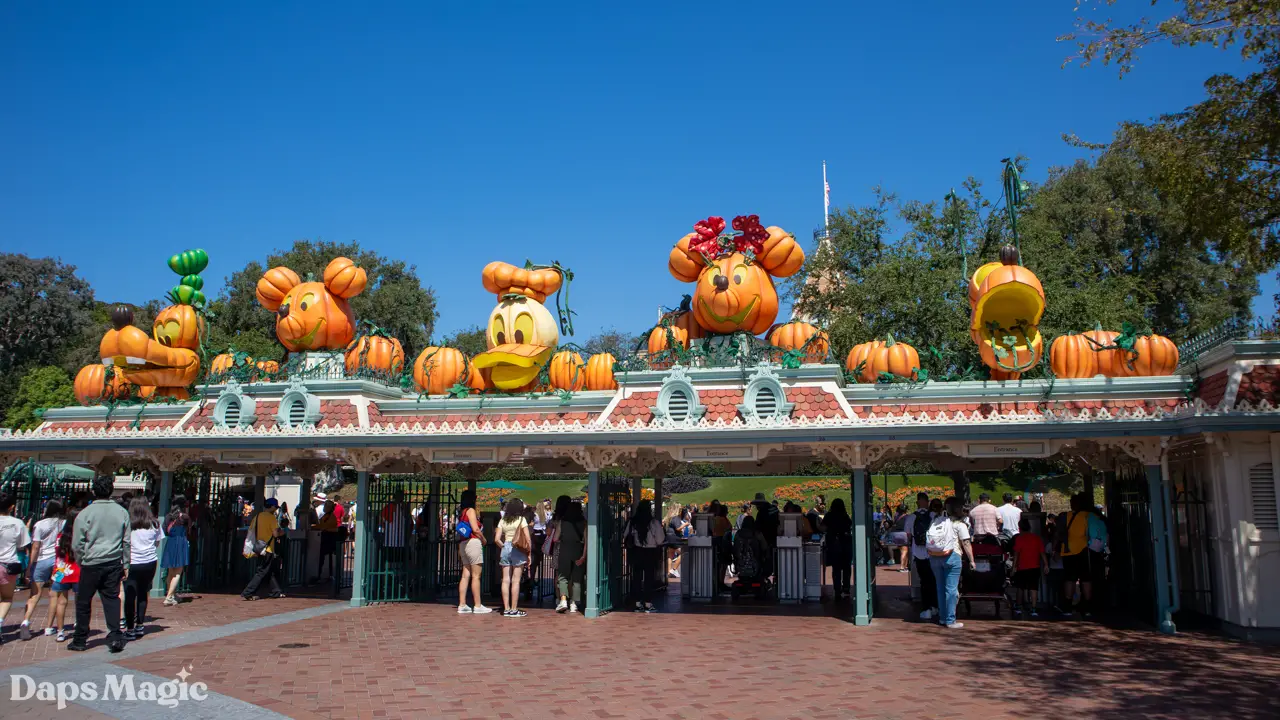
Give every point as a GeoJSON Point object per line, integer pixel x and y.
{"type": "Point", "coordinates": [128, 634]}
{"type": "Point", "coordinates": [639, 608]}
{"type": "Point", "coordinates": [518, 613]}
{"type": "Point", "coordinates": [74, 646]}
{"type": "Point", "coordinates": [650, 609]}
{"type": "Point", "coordinates": [116, 646]}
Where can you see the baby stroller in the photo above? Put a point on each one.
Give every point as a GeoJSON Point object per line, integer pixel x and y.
{"type": "Point", "coordinates": [985, 581]}
{"type": "Point", "coordinates": [753, 568]}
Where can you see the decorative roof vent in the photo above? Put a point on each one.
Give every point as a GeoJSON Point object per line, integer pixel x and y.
{"type": "Point", "coordinates": [234, 409]}
{"type": "Point", "coordinates": [677, 400]}
{"type": "Point", "coordinates": [764, 397]}
{"type": "Point", "coordinates": [298, 408]}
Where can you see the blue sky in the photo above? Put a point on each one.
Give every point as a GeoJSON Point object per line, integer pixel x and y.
{"type": "Point", "coordinates": [453, 134]}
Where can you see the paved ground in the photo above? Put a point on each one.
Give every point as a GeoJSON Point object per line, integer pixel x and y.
{"type": "Point", "coordinates": [740, 663]}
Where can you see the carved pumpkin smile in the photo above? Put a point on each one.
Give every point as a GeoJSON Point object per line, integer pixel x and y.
{"type": "Point", "coordinates": [306, 340]}
{"type": "Point", "coordinates": [734, 319]}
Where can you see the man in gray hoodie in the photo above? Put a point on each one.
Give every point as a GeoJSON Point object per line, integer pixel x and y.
{"type": "Point", "coordinates": [100, 541]}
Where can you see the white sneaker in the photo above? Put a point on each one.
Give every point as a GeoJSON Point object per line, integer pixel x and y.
{"type": "Point", "coordinates": [562, 606]}
{"type": "Point", "coordinates": [481, 610]}
{"type": "Point", "coordinates": [927, 614]}
{"type": "Point", "coordinates": [954, 626]}
{"type": "Point", "coordinates": [674, 573]}
{"type": "Point", "coordinates": [464, 610]}
{"type": "Point", "coordinates": [24, 630]}
{"type": "Point", "coordinates": [573, 607]}
{"type": "Point", "coordinates": [50, 631]}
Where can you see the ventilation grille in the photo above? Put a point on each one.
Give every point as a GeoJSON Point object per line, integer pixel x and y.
{"type": "Point", "coordinates": [766, 403]}
{"type": "Point", "coordinates": [678, 406]}
{"type": "Point", "coordinates": [297, 413]}
{"type": "Point", "coordinates": [231, 415]}
{"type": "Point", "coordinates": [1262, 490]}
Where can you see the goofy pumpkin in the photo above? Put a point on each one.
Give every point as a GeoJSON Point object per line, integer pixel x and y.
{"type": "Point", "coordinates": [521, 334]}
{"type": "Point", "coordinates": [734, 272]}
{"type": "Point", "coordinates": [313, 315]}
{"type": "Point", "coordinates": [162, 364]}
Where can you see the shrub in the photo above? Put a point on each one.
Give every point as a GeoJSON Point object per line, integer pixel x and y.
{"type": "Point", "coordinates": [684, 484]}
{"type": "Point", "coordinates": [818, 468]}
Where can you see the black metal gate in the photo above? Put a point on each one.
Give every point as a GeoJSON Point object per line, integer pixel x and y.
{"type": "Point", "coordinates": [1131, 581]}
{"type": "Point", "coordinates": [1193, 533]}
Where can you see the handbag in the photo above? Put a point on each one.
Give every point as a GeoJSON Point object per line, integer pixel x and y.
{"type": "Point", "coordinates": [522, 542]}
{"type": "Point", "coordinates": [252, 545]}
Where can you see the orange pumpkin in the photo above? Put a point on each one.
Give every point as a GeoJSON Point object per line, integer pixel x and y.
{"type": "Point", "coordinates": [1111, 363]}
{"type": "Point", "coordinates": [223, 363]}
{"type": "Point", "coordinates": [274, 285]}
{"type": "Point", "coordinates": [178, 326]}
{"type": "Point", "coordinates": [439, 368]}
{"type": "Point", "coordinates": [1072, 356]}
{"type": "Point", "coordinates": [684, 320]}
{"type": "Point", "coordinates": [567, 371]}
{"type": "Point", "coordinates": [344, 279]}
{"type": "Point", "coordinates": [731, 294]}
{"type": "Point", "coordinates": [98, 382]}
{"type": "Point", "coordinates": [266, 367]}
{"type": "Point", "coordinates": [659, 339]}
{"type": "Point", "coordinates": [478, 378]}
{"type": "Point", "coordinates": [1156, 355]}
{"type": "Point", "coordinates": [1022, 355]}
{"type": "Point", "coordinates": [502, 278]}
{"type": "Point", "coordinates": [860, 355]}
{"type": "Point", "coordinates": [376, 353]}
{"type": "Point", "coordinates": [793, 336]}
{"type": "Point", "coordinates": [600, 372]}
{"type": "Point", "coordinates": [891, 357]}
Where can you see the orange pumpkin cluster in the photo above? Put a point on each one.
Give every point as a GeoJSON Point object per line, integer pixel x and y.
{"type": "Point", "coordinates": [1093, 353]}
{"type": "Point", "coordinates": [869, 359]}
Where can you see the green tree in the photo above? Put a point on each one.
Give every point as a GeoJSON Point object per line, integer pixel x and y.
{"type": "Point", "coordinates": [394, 300]}
{"type": "Point", "coordinates": [41, 387]}
{"type": "Point", "coordinates": [470, 341]}
{"type": "Point", "coordinates": [43, 304]}
{"type": "Point", "coordinates": [613, 341]}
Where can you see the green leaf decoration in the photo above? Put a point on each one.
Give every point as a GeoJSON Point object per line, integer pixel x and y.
{"type": "Point", "coordinates": [1009, 340]}
{"type": "Point", "coordinates": [193, 281]}
{"type": "Point", "coordinates": [922, 375]}
{"type": "Point", "coordinates": [189, 262]}
{"type": "Point", "coordinates": [459, 391]}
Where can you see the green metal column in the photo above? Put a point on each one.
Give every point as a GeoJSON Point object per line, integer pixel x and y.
{"type": "Point", "coordinates": [594, 503]}
{"type": "Point", "coordinates": [1160, 514]}
{"type": "Point", "coordinates": [259, 492]}
{"type": "Point", "coordinates": [862, 566]}
{"type": "Point", "coordinates": [166, 494]}
{"type": "Point", "coordinates": [362, 539]}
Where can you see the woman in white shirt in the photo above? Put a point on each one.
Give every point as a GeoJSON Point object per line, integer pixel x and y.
{"type": "Point", "coordinates": [44, 543]}
{"type": "Point", "coordinates": [144, 539]}
{"type": "Point", "coordinates": [948, 536]}
{"type": "Point", "coordinates": [13, 537]}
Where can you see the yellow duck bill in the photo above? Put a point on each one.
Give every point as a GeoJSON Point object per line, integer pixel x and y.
{"type": "Point", "coordinates": [513, 365]}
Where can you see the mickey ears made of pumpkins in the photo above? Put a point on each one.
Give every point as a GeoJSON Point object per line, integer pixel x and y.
{"type": "Point", "coordinates": [341, 277]}
{"type": "Point", "coordinates": [782, 256]}
{"type": "Point", "coordinates": [189, 264]}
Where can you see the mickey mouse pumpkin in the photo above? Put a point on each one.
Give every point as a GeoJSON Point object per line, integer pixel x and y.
{"type": "Point", "coordinates": [733, 273]}
{"type": "Point", "coordinates": [313, 315]}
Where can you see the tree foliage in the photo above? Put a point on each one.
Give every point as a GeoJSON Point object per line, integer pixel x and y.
{"type": "Point", "coordinates": [40, 387]}
{"type": "Point", "coordinates": [616, 342]}
{"type": "Point", "coordinates": [44, 306]}
{"type": "Point", "coordinates": [394, 300]}
{"type": "Point", "coordinates": [470, 341]}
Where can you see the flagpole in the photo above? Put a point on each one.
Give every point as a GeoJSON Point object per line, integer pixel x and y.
{"type": "Point", "coordinates": [826, 199]}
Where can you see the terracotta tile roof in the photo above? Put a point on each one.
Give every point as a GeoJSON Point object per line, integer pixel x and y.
{"type": "Point", "coordinates": [635, 408]}
{"type": "Point", "coordinates": [113, 424]}
{"type": "Point", "coordinates": [494, 418]}
{"type": "Point", "coordinates": [813, 402]}
{"type": "Point", "coordinates": [264, 416]}
{"type": "Point", "coordinates": [721, 404]}
{"type": "Point", "coordinates": [1213, 388]}
{"type": "Point", "coordinates": [337, 412]}
{"type": "Point", "coordinates": [1260, 383]}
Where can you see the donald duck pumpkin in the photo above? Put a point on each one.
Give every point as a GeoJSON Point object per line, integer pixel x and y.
{"type": "Point", "coordinates": [521, 333]}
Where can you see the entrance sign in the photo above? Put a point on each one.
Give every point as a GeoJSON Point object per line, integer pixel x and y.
{"type": "Point", "coordinates": [721, 452]}
{"type": "Point", "coordinates": [1016, 449]}
{"type": "Point", "coordinates": [62, 456]}
{"type": "Point", "coordinates": [244, 456]}
{"type": "Point", "coordinates": [468, 455]}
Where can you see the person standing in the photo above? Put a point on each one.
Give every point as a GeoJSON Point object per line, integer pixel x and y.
{"type": "Point", "coordinates": [1009, 514]}
{"type": "Point", "coordinates": [471, 555]}
{"type": "Point", "coordinates": [917, 529]}
{"type": "Point", "coordinates": [44, 546]}
{"type": "Point", "coordinates": [101, 546]}
{"type": "Point", "coordinates": [984, 517]}
{"type": "Point", "coordinates": [66, 574]}
{"type": "Point", "coordinates": [1029, 564]}
{"type": "Point", "coordinates": [513, 535]}
{"type": "Point", "coordinates": [13, 537]}
{"type": "Point", "coordinates": [572, 558]}
{"type": "Point", "coordinates": [178, 549]}
{"type": "Point", "coordinates": [643, 538]}
{"type": "Point", "coordinates": [266, 531]}
{"type": "Point", "coordinates": [947, 538]}
{"type": "Point", "coordinates": [144, 539]}
{"type": "Point", "coordinates": [838, 529]}
{"type": "Point", "coordinates": [329, 530]}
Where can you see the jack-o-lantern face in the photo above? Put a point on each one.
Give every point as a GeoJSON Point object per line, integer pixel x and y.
{"type": "Point", "coordinates": [732, 292]}
{"type": "Point", "coordinates": [521, 335]}
{"type": "Point", "coordinates": [313, 315]}
{"type": "Point", "coordinates": [178, 326]}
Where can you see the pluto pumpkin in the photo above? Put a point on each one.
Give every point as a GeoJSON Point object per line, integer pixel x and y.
{"type": "Point", "coordinates": [313, 315]}
{"type": "Point", "coordinates": [733, 291]}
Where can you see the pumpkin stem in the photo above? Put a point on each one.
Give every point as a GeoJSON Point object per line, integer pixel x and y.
{"type": "Point", "coordinates": [889, 341]}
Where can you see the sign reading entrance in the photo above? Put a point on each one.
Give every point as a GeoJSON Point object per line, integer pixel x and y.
{"type": "Point", "coordinates": [1014, 449]}
{"type": "Point", "coordinates": [244, 456]}
{"type": "Point", "coordinates": [720, 452]}
{"type": "Point", "coordinates": [64, 456]}
{"type": "Point", "coordinates": [465, 455]}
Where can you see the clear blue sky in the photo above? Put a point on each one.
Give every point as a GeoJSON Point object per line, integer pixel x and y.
{"type": "Point", "coordinates": [453, 134]}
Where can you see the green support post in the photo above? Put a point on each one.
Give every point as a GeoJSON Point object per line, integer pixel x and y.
{"type": "Point", "coordinates": [362, 540]}
{"type": "Point", "coordinates": [1160, 512]}
{"type": "Point", "coordinates": [166, 494]}
{"type": "Point", "coordinates": [862, 567]}
{"type": "Point", "coordinates": [593, 545]}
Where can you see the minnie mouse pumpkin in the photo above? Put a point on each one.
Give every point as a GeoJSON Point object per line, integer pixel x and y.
{"type": "Point", "coordinates": [733, 273]}
{"type": "Point", "coordinates": [313, 315]}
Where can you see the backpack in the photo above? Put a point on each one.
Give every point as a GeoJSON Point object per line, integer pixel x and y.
{"type": "Point", "coordinates": [939, 537]}
{"type": "Point", "coordinates": [920, 527]}
{"type": "Point", "coordinates": [748, 563]}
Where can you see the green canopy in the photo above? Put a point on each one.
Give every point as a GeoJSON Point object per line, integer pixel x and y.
{"type": "Point", "coordinates": [502, 485]}
{"type": "Point", "coordinates": [73, 471]}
